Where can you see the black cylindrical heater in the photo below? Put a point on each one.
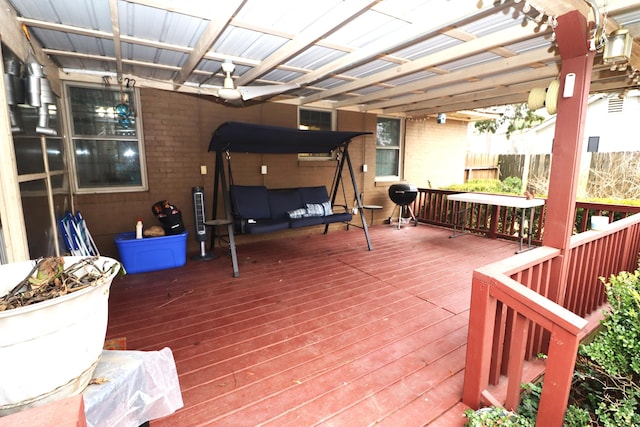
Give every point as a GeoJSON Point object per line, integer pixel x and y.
{"type": "Point", "coordinates": [199, 218]}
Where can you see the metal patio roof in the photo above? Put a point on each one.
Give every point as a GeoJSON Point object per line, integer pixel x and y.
{"type": "Point", "coordinates": [407, 57]}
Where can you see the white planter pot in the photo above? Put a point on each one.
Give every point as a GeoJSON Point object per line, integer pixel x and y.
{"type": "Point", "coordinates": [49, 350]}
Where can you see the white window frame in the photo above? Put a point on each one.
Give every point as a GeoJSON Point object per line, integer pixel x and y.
{"type": "Point", "coordinates": [400, 149]}
{"type": "Point", "coordinates": [307, 157]}
{"type": "Point", "coordinates": [71, 137]}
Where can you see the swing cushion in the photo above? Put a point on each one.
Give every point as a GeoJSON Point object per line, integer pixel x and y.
{"type": "Point", "coordinates": [319, 195]}
{"type": "Point", "coordinates": [259, 210]}
{"type": "Point", "coordinates": [282, 201]}
{"type": "Point", "coordinates": [250, 202]}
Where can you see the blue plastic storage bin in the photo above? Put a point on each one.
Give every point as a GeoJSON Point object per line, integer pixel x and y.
{"type": "Point", "coordinates": [151, 253]}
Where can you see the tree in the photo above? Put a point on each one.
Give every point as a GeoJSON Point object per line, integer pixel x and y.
{"type": "Point", "coordinates": [514, 118]}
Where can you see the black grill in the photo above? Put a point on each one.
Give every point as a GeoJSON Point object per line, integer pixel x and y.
{"type": "Point", "coordinates": [403, 195]}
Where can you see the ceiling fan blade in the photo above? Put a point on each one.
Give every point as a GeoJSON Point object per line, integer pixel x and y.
{"type": "Point", "coordinates": [250, 92]}
{"type": "Point", "coordinates": [236, 102]}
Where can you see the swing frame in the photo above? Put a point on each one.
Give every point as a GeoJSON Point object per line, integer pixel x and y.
{"type": "Point", "coordinates": [251, 138]}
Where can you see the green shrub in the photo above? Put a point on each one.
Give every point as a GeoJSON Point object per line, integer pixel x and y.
{"type": "Point", "coordinates": [617, 347]}
{"type": "Point", "coordinates": [608, 369]}
{"type": "Point", "coordinates": [511, 185]}
{"type": "Point", "coordinates": [492, 416]}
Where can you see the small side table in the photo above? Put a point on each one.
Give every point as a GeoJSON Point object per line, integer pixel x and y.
{"type": "Point", "coordinates": [215, 224]}
{"type": "Point", "coordinates": [371, 208]}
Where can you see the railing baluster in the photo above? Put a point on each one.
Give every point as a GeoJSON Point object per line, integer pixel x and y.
{"type": "Point", "coordinates": [516, 361]}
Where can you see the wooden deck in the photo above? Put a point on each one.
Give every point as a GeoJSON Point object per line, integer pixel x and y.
{"type": "Point", "coordinates": [317, 330]}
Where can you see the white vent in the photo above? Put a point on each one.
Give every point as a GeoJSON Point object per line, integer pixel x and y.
{"type": "Point", "coordinates": [615, 105]}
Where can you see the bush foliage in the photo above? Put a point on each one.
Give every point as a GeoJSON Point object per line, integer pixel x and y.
{"type": "Point", "coordinates": [511, 185]}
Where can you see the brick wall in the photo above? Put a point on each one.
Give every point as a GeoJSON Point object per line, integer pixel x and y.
{"type": "Point", "coordinates": [177, 130]}
{"type": "Point", "coordinates": [436, 152]}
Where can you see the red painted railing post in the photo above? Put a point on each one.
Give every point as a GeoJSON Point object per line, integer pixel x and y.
{"type": "Point", "coordinates": [479, 340]}
{"type": "Point", "coordinates": [563, 350]}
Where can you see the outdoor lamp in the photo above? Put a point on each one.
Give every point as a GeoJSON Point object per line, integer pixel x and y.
{"type": "Point", "coordinates": [618, 47]}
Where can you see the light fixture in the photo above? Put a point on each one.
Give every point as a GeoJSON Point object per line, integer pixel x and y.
{"type": "Point", "coordinates": [618, 47]}
{"type": "Point", "coordinates": [442, 118]}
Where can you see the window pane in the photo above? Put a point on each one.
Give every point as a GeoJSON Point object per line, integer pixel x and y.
{"type": "Point", "coordinates": [315, 120]}
{"type": "Point", "coordinates": [28, 151]}
{"type": "Point", "coordinates": [60, 184]}
{"type": "Point", "coordinates": [388, 132]}
{"type": "Point", "coordinates": [35, 207]}
{"type": "Point", "coordinates": [388, 147]}
{"type": "Point", "coordinates": [107, 163]}
{"type": "Point", "coordinates": [106, 149]}
{"type": "Point", "coordinates": [101, 112]}
{"type": "Point", "coordinates": [387, 162]}
{"type": "Point", "coordinates": [55, 154]}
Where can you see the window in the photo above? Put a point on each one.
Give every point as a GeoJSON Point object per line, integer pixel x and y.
{"type": "Point", "coordinates": [388, 142]}
{"type": "Point", "coordinates": [315, 119]}
{"type": "Point", "coordinates": [106, 139]}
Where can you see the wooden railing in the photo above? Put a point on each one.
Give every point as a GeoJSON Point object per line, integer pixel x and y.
{"type": "Point", "coordinates": [514, 317]}
{"type": "Point", "coordinates": [432, 207]}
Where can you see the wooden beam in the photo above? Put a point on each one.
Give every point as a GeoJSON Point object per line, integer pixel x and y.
{"type": "Point", "coordinates": [224, 12]}
{"type": "Point", "coordinates": [513, 34]}
{"type": "Point", "coordinates": [115, 29]}
{"type": "Point", "coordinates": [13, 228]}
{"type": "Point", "coordinates": [338, 17]}
{"type": "Point", "coordinates": [533, 59]}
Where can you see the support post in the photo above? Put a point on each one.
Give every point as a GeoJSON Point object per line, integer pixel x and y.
{"type": "Point", "coordinates": [365, 227]}
{"type": "Point", "coordinates": [571, 36]}
{"type": "Point", "coordinates": [227, 209]}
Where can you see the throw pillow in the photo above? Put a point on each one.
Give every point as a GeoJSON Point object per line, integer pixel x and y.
{"type": "Point", "coordinates": [319, 209]}
{"type": "Point", "coordinates": [297, 213]}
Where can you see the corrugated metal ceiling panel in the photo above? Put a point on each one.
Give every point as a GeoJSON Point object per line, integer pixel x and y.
{"type": "Point", "coordinates": [370, 68]}
{"type": "Point", "coordinates": [410, 78]}
{"type": "Point", "coordinates": [370, 27]}
{"type": "Point", "coordinates": [74, 43]}
{"type": "Point", "coordinates": [156, 24]}
{"type": "Point", "coordinates": [469, 61]}
{"type": "Point", "coordinates": [236, 41]}
{"type": "Point", "coordinates": [288, 16]}
{"type": "Point", "coordinates": [363, 47]}
{"type": "Point", "coordinates": [315, 57]}
{"type": "Point", "coordinates": [493, 23]}
{"type": "Point", "coordinates": [92, 14]}
{"type": "Point", "coordinates": [432, 45]}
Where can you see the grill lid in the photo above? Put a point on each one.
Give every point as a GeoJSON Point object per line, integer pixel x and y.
{"type": "Point", "coordinates": [403, 193]}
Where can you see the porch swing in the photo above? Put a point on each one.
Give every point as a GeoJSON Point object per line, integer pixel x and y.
{"type": "Point", "coordinates": [256, 209]}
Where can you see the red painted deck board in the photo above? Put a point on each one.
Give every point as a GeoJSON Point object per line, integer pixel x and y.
{"type": "Point", "coordinates": [317, 330]}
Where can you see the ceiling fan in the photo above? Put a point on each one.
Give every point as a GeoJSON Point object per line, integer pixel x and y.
{"type": "Point", "coordinates": [236, 94]}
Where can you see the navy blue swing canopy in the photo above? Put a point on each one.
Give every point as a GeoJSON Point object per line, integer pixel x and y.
{"type": "Point", "coordinates": [237, 137]}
